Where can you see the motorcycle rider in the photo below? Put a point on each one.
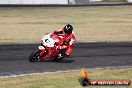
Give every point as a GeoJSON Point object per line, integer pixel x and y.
{"type": "Point", "coordinates": [64, 39]}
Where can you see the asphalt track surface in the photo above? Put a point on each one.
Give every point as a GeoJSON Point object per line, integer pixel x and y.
{"type": "Point", "coordinates": [14, 58]}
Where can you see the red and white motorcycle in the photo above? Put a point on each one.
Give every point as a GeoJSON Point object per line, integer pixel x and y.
{"type": "Point", "coordinates": [47, 43]}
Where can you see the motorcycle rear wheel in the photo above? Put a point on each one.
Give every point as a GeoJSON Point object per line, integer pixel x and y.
{"type": "Point", "coordinates": [57, 59]}
{"type": "Point", "coordinates": [34, 56]}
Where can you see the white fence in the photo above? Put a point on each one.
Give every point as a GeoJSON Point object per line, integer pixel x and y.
{"type": "Point", "coordinates": [34, 1]}
{"type": "Point", "coordinates": [129, 0]}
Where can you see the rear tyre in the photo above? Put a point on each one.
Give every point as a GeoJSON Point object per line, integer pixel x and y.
{"type": "Point", "coordinates": [57, 59]}
{"type": "Point", "coordinates": [34, 56]}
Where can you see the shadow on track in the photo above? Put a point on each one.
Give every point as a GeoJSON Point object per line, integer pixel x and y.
{"type": "Point", "coordinates": [62, 61]}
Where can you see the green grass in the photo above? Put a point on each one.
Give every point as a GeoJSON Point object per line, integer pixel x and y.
{"type": "Point", "coordinates": [65, 80]}
{"type": "Point", "coordinates": [91, 24]}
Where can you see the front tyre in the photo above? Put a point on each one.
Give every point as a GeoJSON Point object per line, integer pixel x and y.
{"type": "Point", "coordinates": [34, 56]}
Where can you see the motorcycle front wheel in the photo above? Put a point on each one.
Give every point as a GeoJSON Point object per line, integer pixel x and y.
{"type": "Point", "coordinates": [34, 56]}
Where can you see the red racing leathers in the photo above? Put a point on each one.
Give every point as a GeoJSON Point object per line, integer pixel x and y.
{"type": "Point", "coordinates": [63, 41]}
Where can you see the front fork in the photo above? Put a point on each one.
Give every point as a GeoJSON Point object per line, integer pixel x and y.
{"type": "Point", "coordinates": [43, 52]}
